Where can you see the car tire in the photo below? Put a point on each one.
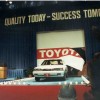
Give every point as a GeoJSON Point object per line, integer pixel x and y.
{"type": "Point", "coordinates": [37, 79]}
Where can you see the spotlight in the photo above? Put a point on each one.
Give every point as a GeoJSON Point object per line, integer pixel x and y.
{"type": "Point", "coordinates": [10, 2]}
{"type": "Point", "coordinates": [11, 6]}
{"type": "Point", "coordinates": [32, 3]}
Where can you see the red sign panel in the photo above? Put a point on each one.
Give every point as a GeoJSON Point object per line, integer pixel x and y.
{"type": "Point", "coordinates": [55, 53]}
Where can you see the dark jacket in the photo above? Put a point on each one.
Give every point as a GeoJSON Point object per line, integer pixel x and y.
{"type": "Point", "coordinates": [94, 72]}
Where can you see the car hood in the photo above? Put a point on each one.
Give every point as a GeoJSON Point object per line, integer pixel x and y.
{"type": "Point", "coordinates": [50, 66]}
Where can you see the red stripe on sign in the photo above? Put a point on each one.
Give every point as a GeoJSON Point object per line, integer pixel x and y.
{"type": "Point", "coordinates": [55, 53]}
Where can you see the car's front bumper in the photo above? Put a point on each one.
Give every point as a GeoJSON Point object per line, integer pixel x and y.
{"type": "Point", "coordinates": [48, 73]}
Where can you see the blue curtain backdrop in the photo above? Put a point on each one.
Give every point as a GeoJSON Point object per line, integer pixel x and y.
{"type": "Point", "coordinates": [18, 48]}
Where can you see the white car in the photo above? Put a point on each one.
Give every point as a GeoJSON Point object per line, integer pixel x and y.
{"type": "Point", "coordinates": [51, 68]}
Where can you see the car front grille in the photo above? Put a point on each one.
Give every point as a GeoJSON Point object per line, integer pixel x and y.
{"type": "Point", "coordinates": [47, 69]}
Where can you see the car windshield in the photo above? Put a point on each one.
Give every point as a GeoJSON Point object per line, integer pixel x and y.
{"type": "Point", "coordinates": [52, 62]}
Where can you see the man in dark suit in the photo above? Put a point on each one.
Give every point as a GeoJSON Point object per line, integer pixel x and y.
{"type": "Point", "coordinates": [94, 75]}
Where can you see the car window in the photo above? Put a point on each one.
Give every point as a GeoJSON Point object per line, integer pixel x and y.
{"type": "Point", "coordinates": [52, 62]}
{"type": "Point", "coordinates": [46, 62]}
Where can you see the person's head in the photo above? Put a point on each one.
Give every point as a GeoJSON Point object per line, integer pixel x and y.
{"type": "Point", "coordinates": [67, 92]}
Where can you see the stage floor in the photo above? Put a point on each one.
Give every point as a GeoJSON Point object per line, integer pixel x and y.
{"type": "Point", "coordinates": [31, 81]}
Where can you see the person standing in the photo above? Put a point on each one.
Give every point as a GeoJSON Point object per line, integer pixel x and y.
{"type": "Point", "coordinates": [94, 75]}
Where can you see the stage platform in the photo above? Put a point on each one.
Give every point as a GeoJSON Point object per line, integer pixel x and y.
{"type": "Point", "coordinates": [46, 89]}
{"type": "Point", "coordinates": [31, 81]}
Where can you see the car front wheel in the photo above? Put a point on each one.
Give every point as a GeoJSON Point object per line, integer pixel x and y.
{"type": "Point", "coordinates": [37, 78]}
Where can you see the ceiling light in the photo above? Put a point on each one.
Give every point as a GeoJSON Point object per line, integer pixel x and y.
{"type": "Point", "coordinates": [10, 2]}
